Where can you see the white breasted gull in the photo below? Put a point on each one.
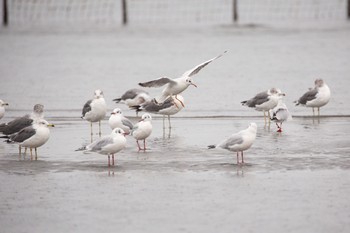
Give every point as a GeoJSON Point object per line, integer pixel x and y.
{"type": "Point", "coordinates": [142, 130]}
{"type": "Point", "coordinates": [2, 108]}
{"type": "Point", "coordinates": [108, 145]}
{"type": "Point", "coordinates": [316, 97]}
{"type": "Point", "coordinates": [118, 120]}
{"type": "Point", "coordinates": [239, 142]}
{"type": "Point", "coordinates": [95, 110]}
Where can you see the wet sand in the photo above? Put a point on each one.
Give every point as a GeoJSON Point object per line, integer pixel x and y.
{"type": "Point", "coordinates": [296, 181]}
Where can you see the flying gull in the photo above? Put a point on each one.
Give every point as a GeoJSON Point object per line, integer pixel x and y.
{"type": "Point", "coordinates": [32, 136]}
{"type": "Point", "coordinates": [142, 130]}
{"type": "Point", "coordinates": [239, 142]}
{"type": "Point", "coordinates": [95, 110]}
{"type": "Point", "coordinates": [177, 85]}
{"type": "Point", "coordinates": [108, 145]}
{"type": "Point", "coordinates": [316, 97]}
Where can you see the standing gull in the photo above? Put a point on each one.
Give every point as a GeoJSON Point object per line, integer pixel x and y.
{"type": "Point", "coordinates": [169, 107]}
{"type": "Point", "coordinates": [118, 120]}
{"type": "Point", "coordinates": [2, 108]}
{"type": "Point", "coordinates": [177, 85]}
{"type": "Point", "coordinates": [317, 97]}
{"type": "Point", "coordinates": [32, 136]}
{"type": "Point", "coordinates": [108, 145]}
{"type": "Point", "coordinates": [279, 114]}
{"type": "Point", "coordinates": [95, 110]}
{"type": "Point", "coordinates": [264, 101]}
{"type": "Point", "coordinates": [142, 130]}
{"type": "Point", "coordinates": [133, 97]}
{"type": "Point", "coordinates": [239, 142]}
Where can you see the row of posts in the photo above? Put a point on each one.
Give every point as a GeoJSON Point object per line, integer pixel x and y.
{"type": "Point", "coordinates": [5, 18]}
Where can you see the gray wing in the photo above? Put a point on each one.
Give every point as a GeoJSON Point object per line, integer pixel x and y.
{"type": "Point", "coordinates": [231, 141]}
{"type": "Point", "coordinates": [157, 83]}
{"type": "Point", "coordinates": [308, 96]}
{"type": "Point", "coordinates": [197, 68]}
{"type": "Point", "coordinates": [127, 123]}
{"type": "Point", "coordinates": [260, 98]}
{"type": "Point", "coordinates": [154, 107]}
{"type": "Point", "coordinates": [16, 125]}
{"type": "Point", "coordinates": [86, 108]}
{"type": "Point", "coordinates": [132, 93]}
{"type": "Point", "coordinates": [98, 145]}
{"type": "Point", "coordinates": [23, 135]}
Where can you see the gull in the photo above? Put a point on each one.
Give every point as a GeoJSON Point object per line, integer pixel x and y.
{"type": "Point", "coordinates": [177, 85]}
{"type": "Point", "coordinates": [2, 108]}
{"type": "Point", "coordinates": [17, 124]}
{"type": "Point", "coordinates": [117, 120]}
{"type": "Point", "coordinates": [142, 130]}
{"type": "Point", "coordinates": [279, 114]}
{"type": "Point", "coordinates": [264, 101]}
{"type": "Point", "coordinates": [108, 145]}
{"type": "Point", "coordinates": [133, 97]}
{"type": "Point", "coordinates": [95, 110]}
{"type": "Point", "coordinates": [316, 97]}
{"type": "Point", "coordinates": [169, 107]}
{"type": "Point", "coordinates": [239, 142]}
{"type": "Point", "coordinates": [32, 136]}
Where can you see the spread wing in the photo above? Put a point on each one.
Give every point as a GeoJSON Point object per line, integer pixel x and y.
{"type": "Point", "coordinates": [197, 68]}
{"type": "Point", "coordinates": [157, 83]}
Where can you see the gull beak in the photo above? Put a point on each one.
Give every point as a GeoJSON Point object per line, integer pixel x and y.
{"type": "Point", "coordinates": [112, 113]}
{"type": "Point", "coordinates": [6, 104]}
{"type": "Point", "coordinates": [283, 94]}
{"type": "Point", "coordinates": [50, 125]}
{"type": "Point", "coordinates": [125, 134]}
{"type": "Point", "coordinates": [193, 84]}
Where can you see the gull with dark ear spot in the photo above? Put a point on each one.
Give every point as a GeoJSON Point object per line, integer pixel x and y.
{"type": "Point", "coordinates": [95, 110]}
{"type": "Point", "coordinates": [142, 130]}
{"type": "Point", "coordinates": [108, 145]}
{"type": "Point", "coordinates": [32, 136]}
{"type": "Point", "coordinates": [118, 120]}
{"type": "Point", "coordinates": [177, 85]}
{"type": "Point", "coordinates": [2, 108]}
{"type": "Point", "coordinates": [239, 142]}
{"type": "Point", "coordinates": [316, 97]}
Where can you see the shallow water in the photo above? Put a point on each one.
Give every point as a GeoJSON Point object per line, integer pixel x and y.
{"type": "Point", "coordinates": [294, 181]}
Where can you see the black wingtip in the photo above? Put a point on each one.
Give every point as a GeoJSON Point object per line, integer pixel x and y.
{"type": "Point", "coordinates": [117, 100]}
{"type": "Point", "coordinates": [142, 85]}
{"type": "Point", "coordinates": [243, 102]}
{"type": "Point", "coordinates": [211, 146]}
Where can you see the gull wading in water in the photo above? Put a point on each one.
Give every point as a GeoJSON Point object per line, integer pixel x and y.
{"type": "Point", "coordinates": [108, 145]}
{"type": "Point", "coordinates": [264, 101]}
{"type": "Point", "coordinates": [95, 110]}
{"type": "Point", "coordinates": [118, 120]}
{"type": "Point", "coordinates": [32, 136]}
{"type": "Point", "coordinates": [177, 85]}
{"type": "Point", "coordinates": [169, 107]}
{"type": "Point", "coordinates": [279, 114]}
{"type": "Point", "coordinates": [17, 124]}
{"type": "Point", "coordinates": [2, 108]}
{"type": "Point", "coordinates": [316, 97]}
{"type": "Point", "coordinates": [239, 142]}
{"type": "Point", "coordinates": [142, 130]}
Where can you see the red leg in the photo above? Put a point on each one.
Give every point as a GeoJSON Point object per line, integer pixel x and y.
{"type": "Point", "coordinates": [137, 141]}
{"type": "Point", "coordinates": [180, 101]}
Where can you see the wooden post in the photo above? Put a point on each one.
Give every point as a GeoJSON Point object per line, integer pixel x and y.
{"type": "Point", "coordinates": [125, 12]}
{"type": "Point", "coordinates": [235, 11]}
{"type": "Point", "coordinates": [348, 9]}
{"type": "Point", "coordinates": [5, 19]}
